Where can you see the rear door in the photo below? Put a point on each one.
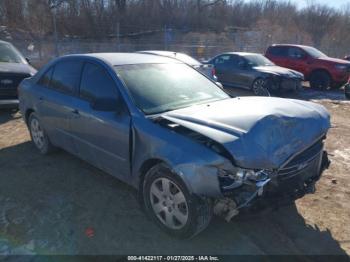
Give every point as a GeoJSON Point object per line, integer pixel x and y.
{"type": "Point", "coordinates": [55, 93]}
{"type": "Point", "coordinates": [223, 68]}
{"type": "Point", "coordinates": [101, 137]}
{"type": "Point", "coordinates": [240, 73]}
{"type": "Point", "coordinates": [278, 55]}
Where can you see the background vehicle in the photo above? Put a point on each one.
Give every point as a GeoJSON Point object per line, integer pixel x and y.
{"type": "Point", "coordinates": [206, 69]}
{"type": "Point", "coordinates": [13, 69]}
{"type": "Point", "coordinates": [322, 71]}
{"type": "Point", "coordinates": [347, 89]}
{"type": "Point", "coordinates": [255, 72]}
{"type": "Point", "coordinates": [178, 138]}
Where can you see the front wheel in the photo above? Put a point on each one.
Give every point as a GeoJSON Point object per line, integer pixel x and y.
{"type": "Point", "coordinates": [260, 88]}
{"type": "Point", "coordinates": [320, 80]}
{"type": "Point", "coordinates": [39, 136]}
{"type": "Point", "coordinates": [170, 205]}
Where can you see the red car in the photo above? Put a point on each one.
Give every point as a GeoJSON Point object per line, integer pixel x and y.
{"type": "Point", "coordinates": [321, 70]}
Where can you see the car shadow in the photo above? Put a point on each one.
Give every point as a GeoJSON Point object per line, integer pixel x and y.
{"type": "Point", "coordinates": [59, 204]}
{"type": "Point", "coordinates": [8, 114]}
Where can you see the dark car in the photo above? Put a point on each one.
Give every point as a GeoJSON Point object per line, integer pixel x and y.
{"type": "Point", "coordinates": [347, 89]}
{"type": "Point", "coordinates": [206, 69]}
{"type": "Point", "coordinates": [13, 69]}
{"type": "Point", "coordinates": [173, 134]}
{"type": "Point", "coordinates": [321, 70]}
{"type": "Point", "coordinates": [255, 72]}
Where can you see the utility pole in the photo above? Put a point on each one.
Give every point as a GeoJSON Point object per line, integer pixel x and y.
{"type": "Point", "coordinates": [118, 36]}
{"type": "Point", "coordinates": [55, 31]}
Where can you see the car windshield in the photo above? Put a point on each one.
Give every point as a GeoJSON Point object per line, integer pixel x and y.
{"type": "Point", "coordinates": [157, 88]}
{"type": "Point", "coordinates": [258, 60]}
{"type": "Point", "coordinates": [9, 54]}
{"type": "Point", "coordinates": [314, 52]}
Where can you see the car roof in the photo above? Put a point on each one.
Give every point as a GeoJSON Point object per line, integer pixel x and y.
{"type": "Point", "coordinates": [240, 53]}
{"type": "Point", "coordinates": [116, 59]}
{"type": "Point", "coordinates": [289, 45]}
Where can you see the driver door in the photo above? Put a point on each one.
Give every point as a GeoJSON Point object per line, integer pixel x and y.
{"type": "Point", "coordinates": [101, 137]}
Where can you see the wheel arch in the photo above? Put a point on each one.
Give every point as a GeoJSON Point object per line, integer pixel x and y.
{"type": "Point", "coordinates": [28, 112]}
{"type": "Point", "coordinates": [320, 70]}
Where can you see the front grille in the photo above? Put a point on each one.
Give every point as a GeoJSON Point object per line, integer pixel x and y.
{"type": "Point", "coordinates": [290, 84]}
{"type": "Point", "coordinates": [9, 83]}
{"type": "Point", "coordinates": [307, 161]}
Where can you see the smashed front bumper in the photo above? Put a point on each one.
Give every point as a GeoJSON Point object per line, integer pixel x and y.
{"type": "Point", "coordinates": [281, 188]}
{"type": "Point", "coordinates": [284, 84]}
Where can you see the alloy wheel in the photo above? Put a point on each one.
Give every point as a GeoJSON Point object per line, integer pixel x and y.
{"type": "Point", "coordinates": [169, 203]}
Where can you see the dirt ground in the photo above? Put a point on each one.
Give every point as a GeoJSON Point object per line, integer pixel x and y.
{"type": "Point", "coordinates": [59, 204]}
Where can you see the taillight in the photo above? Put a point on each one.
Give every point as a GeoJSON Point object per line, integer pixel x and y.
{"type": "Point", "coordinates": [213, 71]}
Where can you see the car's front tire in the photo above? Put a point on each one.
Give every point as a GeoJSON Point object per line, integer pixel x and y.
{"type": "Point", "coordinates": [260, 87]}
{"type": "Point", "coordinates": [171, 206]}
{"type": "Point", "coordinates": [39, 136]}
{"type": "Point", "coordinates": [320, 80]}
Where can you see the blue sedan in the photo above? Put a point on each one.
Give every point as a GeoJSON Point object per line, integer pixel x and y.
{"type": "Point", "coordinates": [189, 148]}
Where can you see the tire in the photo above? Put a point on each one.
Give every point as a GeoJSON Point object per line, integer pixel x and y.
{"type": "Point", "coordinates": [320, 80]}
{"type": "Point", "coordinates": [347, 91]}
{"type": "Point", "coordinates": [176, 211]}
{"type": "Point", "coordinates": [259, 87]}
{"type": "Point", "coordinates": [39, 136]}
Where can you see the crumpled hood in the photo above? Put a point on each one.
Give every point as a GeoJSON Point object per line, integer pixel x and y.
{"type": "Point", "coordinates": [280, 71]}
{"type": "Point", "coordinates": [17, 68]}
{"type": "Point", "coordinates": [259, 132]}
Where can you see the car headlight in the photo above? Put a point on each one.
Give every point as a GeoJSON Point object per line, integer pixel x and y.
{"type": "Point", "coordinates": [341, 67]}
{"type": "Point", "coordinates": [231, 179]}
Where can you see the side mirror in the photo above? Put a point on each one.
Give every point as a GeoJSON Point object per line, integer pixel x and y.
{"type": "Point", "coordinates": [105, 104]}
{"type": "Point", "coordinates": [28, 60]}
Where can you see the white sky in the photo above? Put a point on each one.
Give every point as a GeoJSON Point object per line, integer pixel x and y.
{"type": "Point", "coordinates": [330, 3]}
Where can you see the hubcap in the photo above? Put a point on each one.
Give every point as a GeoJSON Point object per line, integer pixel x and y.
{"type": "Point", "coordinates": [260, 89]}
{"type": "Point", "coordinates": [169, 203]}
{"type": "Point", "coordinates": [37, 133]}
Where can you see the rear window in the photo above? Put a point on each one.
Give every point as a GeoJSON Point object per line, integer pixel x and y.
{"type": "Point", "coordinates": [66, 76]}
{"type": "Point", "coordinates": [278, 51]}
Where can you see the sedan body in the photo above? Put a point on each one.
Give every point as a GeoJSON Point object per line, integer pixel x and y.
{"type": "Point", "coordinates": [162, 127]}
{"type": "Point", "coordinates": [206, 69]}
{"type": "Point", "coordinates": [255, 72]}
{"type": "Point", "coordinates": [13, 69]}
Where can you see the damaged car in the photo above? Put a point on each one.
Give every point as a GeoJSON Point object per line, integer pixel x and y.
{"type": "Point", "coordinates": [189, 148]}
{"type": "Point", "coordinates": [255, 72]}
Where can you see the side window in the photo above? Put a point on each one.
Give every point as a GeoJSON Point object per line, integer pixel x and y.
{"type": "Point", "coordinates": [97, 83]}
{"type": "Point", "coordinates": [296, 53]}
{"type": "Point", "coordinates": [278, 51]}
{"type": "Point", "coordinates": [66, 76]}
{"type": "Point", "coordinates": [222, 60]}
{"type": "Point", "coordinates": [46, 78]}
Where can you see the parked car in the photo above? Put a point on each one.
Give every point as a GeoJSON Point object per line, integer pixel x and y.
{"type": "Point", "coordinates": [347, 89]}
{"type": "Point", "coordinates": [13, 69]}
{"type": "Point", "coordinates": [173, 134]}
{"type": "Point", "coordinates": [205, 69]}
{"type": "Point", "coordinates": [321, 70]}
{"type": "Point", "coordinates": [255, 72]}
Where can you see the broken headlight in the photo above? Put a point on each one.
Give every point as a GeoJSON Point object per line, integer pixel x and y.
{"type": "Point", "coordinates": [231, 179]}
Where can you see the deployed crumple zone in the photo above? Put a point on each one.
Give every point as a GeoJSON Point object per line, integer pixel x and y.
{"type": "Point", "coordinates": [188, 147]}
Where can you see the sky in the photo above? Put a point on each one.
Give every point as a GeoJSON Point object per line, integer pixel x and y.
{"type": "Point", "coordinates": [330, 3]}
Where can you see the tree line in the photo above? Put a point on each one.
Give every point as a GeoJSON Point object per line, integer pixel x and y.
{"type": "Point", "coordinates": [322, 25]}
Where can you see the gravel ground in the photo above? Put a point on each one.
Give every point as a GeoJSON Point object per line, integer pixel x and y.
{"type": "Point", "coordinates": [59, 204]}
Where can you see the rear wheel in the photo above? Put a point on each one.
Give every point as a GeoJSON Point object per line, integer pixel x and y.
{"type": "Point", "coordinates": [320, 80]}
{"type": "Point", "coordinates": [260, 88]}
{"type": "Point", "coordinates": [39, 136]}
{"type": "Point", "coordinates": [170, 205]}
